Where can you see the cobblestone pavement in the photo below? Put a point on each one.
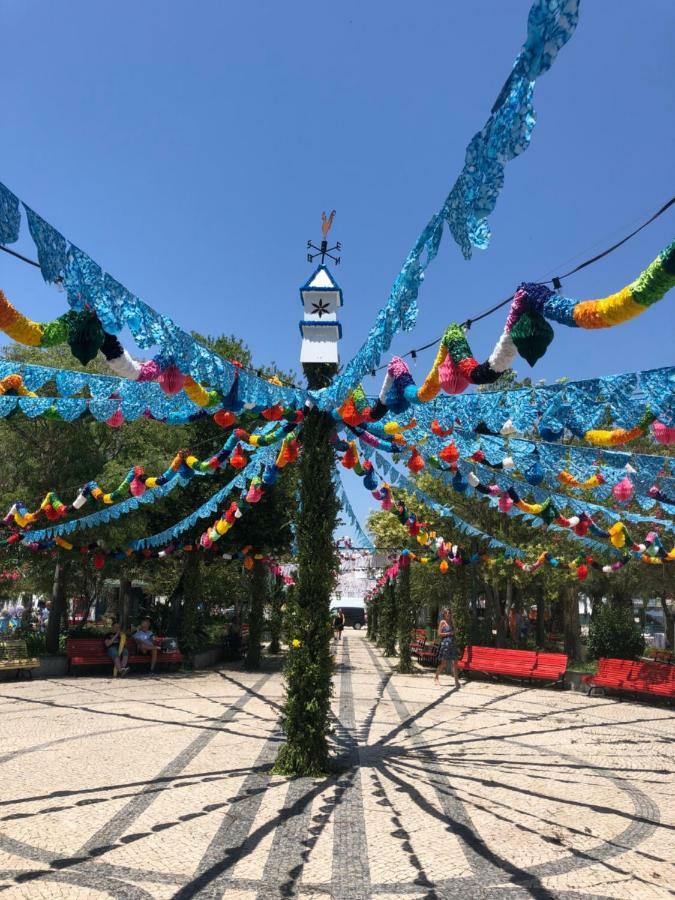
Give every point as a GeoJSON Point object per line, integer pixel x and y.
{"type": "Point", "coordinates": [159, 787]}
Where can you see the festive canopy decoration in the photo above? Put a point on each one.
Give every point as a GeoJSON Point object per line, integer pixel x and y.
{"type": "Point", "coordinates": [505, 135]}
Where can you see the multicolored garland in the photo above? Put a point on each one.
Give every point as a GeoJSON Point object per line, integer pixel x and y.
{"type": "Point", "coordinates": [184, 465]}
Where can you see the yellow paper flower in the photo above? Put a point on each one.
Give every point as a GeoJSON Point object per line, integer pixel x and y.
{"type": "Point", "coordinates": [295, 643]}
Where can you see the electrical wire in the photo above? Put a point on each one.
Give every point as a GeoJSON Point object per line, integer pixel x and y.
{"type": "Point", "coordinates": [553, 281]}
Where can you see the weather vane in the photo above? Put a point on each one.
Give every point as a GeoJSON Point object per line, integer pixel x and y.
{"type": "Point", "coordinates": [324, 250]}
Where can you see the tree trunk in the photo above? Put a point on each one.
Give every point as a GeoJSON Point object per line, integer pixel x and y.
{"type": "Point", "coordinates": [187, 596]}
{"type": "Point", "coordinates": [255, 615]}
{"type": "Point", "coordinates": [309, 664]}
{"type": "Point", "coordinates": [388, 630]}
{"type": "Point", "coordinates": [669, 619]}
{"type": "Point", "coordinates": [276, 614]}
{"type": "Point", "coordinates": [407, 619]}
{"type": "Point", "coordinates": [58, 607]}
{"type": "Point", "coordinates": [374, 619]}
{"type": "Point", "coordinates": [571, 625]}
{"type": "Point", "coordinates": [541, 616]}
{"type": "Point", "coordinates": [123, 607]}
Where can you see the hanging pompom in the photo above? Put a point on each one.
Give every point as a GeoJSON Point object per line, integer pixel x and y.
{"type": "Point", "coordinates": [85, 335]}
{"type": "Point", "coordinates": [98, 560]}
{"type": "Point", "coordinates": [617, 535]}
{"type": "Point", "coordinates": [224, 418]}
{"type": "Point", "coordinates": [582, 572]}
{"type": "Point", "coordinates": [349, 414]}
{"type": "Point", "coordinates": [531, 335]}
{"type": "Point", "coordinates": [293, 449]}
{"type": "Point", "coordinates": [116, 419]}
{"type": "Point", "coordinates": [663, 434]}
{"type": "Point", "coordinates": [459, 484]}
{"type": "Point", "coordinates": [452, 380]}
{"type": "Point", "coordinates": [623, 490]}
{"type": "Point", "coordinates": [449, 453]}
{"type": "Point", "coordinates": [350, 457]}
{"type": "Point", "coordinates": [505, 503]}
{"type": "Point", "coordinates": [171, 380]}
{"type": "Point", "coordinates": [443, 566]}
{"type": "Point", "coordinates": [255, 491]}
{"type": "Point", "coordinates": [369, 478]}
{"type": "Point", "coordinates": [274, 413]}
{"type": "Point", "coordinates": [415, 463]}
{"type": "Point", "coordinates": [534, 474]}
{"type": "Point", "coordinates": [238, 459]}
{"type": "Point", "coordinates": [137, 487]}
{"type": "Point", "coordinates": [439, 431]}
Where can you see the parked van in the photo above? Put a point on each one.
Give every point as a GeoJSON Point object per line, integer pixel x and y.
{"type": "Point", "coordinates": [355, 616]}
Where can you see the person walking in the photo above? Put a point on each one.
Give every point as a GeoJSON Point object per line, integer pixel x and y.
{"type": "Point", "coordinates": [338, 625]}
{"type": "Point", "coordinates": [447, 652]}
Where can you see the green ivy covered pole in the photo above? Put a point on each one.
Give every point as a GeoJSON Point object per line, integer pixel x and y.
{"type": "Point", "coordinates": [406, 616]}
{"type": "Point", "coordinates": [309, 666]}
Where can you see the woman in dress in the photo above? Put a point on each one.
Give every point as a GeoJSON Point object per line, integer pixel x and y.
{"type": "Point", "coordinates": [338, 625]}
{"type": "Point", "coordinates": [447, 651]}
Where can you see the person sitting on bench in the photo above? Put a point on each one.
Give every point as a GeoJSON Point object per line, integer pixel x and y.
{"type": "Point", "coordinates": [116, 648]}
{"type": "Point", "coordinates": [145, 643]}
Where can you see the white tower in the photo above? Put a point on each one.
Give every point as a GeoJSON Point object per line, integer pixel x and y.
{"type": "Point", "coordinates": [321, 298]}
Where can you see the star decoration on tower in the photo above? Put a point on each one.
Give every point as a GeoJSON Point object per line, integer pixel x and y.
{"type": "Point", "coordinates": [320, 307]}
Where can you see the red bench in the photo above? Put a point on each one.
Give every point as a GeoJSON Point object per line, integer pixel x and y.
{"type": "Point", "coordinates": [633, 677]}
{"type": "Point", "coordinates": [418, 640]}
{"type": "Point", "coordinates": [515, 663]}
{"type": "Point", "coordinates": [92, 652]}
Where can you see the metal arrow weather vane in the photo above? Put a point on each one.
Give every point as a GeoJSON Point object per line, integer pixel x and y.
{"type": "Point", "coordinates": [324, 250]}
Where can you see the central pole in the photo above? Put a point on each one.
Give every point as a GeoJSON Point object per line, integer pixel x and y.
{"type": "Point", "coordinates": [309, 667]}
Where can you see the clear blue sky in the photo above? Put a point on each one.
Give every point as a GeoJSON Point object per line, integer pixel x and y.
{"type": "Point", "coordinates": [190, 149]}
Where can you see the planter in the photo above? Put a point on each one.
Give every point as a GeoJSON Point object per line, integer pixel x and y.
{"type": "Point", "coordinates": [50, 667]}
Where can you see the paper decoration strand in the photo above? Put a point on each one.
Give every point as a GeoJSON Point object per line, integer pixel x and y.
{"type": "Point", "coordinates": [184, 466]}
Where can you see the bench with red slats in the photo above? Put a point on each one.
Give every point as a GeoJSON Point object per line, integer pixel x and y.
{"type": "Point", "coordinates": [515, 663]}
{"type": "Point", "coordinates": [92, 652]}
{"type": "Point", "coordinates": [633, 677]}
{"type": "Point", "coordinates": [417, 642]}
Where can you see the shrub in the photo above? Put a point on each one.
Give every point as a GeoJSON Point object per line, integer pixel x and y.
{"type": "Point", "coordinates": [613, 633]}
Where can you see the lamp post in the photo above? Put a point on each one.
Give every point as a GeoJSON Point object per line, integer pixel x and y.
{"type": "Point", "coordinates": [309, 666]}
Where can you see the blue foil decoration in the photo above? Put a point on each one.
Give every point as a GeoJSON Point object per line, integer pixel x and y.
{"type": "Point", "coordinates": [506, 134]}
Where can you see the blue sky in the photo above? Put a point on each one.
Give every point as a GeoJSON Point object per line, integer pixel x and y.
{"type": "Point", "coordinates": [191, 149]}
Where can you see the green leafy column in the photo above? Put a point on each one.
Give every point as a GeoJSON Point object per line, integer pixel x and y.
{"type": "Point", "coordinates": [406, 617]}
{"type": "Point", "coordinates": [309, 666]}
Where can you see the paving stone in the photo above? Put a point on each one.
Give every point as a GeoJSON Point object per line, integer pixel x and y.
{"type": "Point", "coordinates": [159, 787]}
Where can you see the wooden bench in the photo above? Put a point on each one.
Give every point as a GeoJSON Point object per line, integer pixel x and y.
{"type": "Point", "coordinates": [92, 652]}
{"type": "Point", "coordinates": [14, 657]}
{"type": "Point", "coordinates": [521, 664]}
{"type": "Point", "coordinates": [633, 677]}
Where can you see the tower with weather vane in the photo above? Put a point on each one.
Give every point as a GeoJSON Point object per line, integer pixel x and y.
{"type": "Point", "coordinates": [321, 299]}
